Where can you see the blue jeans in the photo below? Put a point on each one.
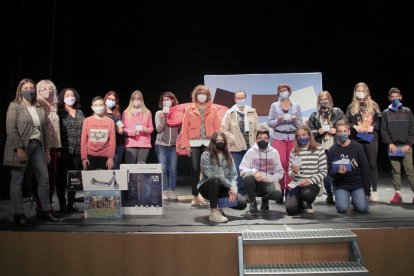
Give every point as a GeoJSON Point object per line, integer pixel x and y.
{"type": "Point", "coordinates": [119, 153]}
{"type": "Point", "coordinates": [238, 157]}
{"type": "Point", "coordinates": [168, 157]}
{"type": "Point", "coordinates": [327, 184]}
{"type": "Point", "coordinates": [359, 200]}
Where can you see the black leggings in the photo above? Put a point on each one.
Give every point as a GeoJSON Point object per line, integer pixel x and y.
{"type": "Point", "coordinates": [214, 188]}
{"type": "Point", "coordinates": [371, 152]}
{"type": "Point", "coordinates": [266, 190]}
{"type": "Point", "coordinates": [195, 167]}
{"type": "Point", "coordinates": [305, 194]}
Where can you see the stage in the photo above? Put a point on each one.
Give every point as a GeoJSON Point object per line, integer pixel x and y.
{"type": "Point", "coordinates": [185, 239]}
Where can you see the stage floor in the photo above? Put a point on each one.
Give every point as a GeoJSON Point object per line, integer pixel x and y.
{"type": "Point", "coordinates": [181, 217]}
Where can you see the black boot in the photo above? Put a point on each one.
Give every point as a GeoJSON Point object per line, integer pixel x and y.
{"type": "Point", "coordinates": [265, 205]}
{"type": "Point", "coordinates": [49, 216]}
{"type": "Point", "coordinates": [71, 207]}
{"type": "Point", "coordinates": [329, 199]}
{"type": "Point", "coordinates": [253, 208]}
{"type": "Point", "coordinates": [21, 220]}
{"type": "Point", "coordinates": [280, 200]}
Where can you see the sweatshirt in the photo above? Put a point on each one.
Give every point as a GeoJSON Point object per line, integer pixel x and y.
{"type": "Point", "coordinates": [98, 137]}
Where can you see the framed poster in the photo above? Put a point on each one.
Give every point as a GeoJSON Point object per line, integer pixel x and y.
{"type": "Point", "coordinates": [103, 204]}
{"type": "Point", "coordinates": [105, 180]}
{"type": "Point", "coordinates": [144, 195]}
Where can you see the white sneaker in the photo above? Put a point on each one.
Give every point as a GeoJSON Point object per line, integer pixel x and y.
{"type": "Point", "coordinates": [216, 216]}
{"type": "Point", "coordinates": [173, 196]}
{"type": "Point", "coordinates": [374, 197]}
{"type": "Point", "coordinates": [166, 195]}
{"type": "Point", "coordinates": [309, 208]}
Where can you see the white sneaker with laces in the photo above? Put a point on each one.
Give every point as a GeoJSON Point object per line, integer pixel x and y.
{"type": "Point", "coordinates": [374, 197]}
{"type": "Point", "coordinates": [216, 216]}
{"type": "Point", "coordinates": [309, 208]}
{"type": "Point", "coordinates": [173, 196]}
{"type": "Point", "coordinates": [166, 195]}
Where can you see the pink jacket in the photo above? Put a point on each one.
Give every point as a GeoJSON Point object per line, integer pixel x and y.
{"type": "Point", "coordinates": [192, 123]}
{"type": "Point", "coordinates": [141, 140]}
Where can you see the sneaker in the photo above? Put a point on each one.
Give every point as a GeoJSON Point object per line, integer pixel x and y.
{"type": "Point", "coordinates": [216, 216]}
{"type": "Point", "coordinates": [166, 195]}
{"type": "Point", "coordinates": [173, 196]}
{"type": "Point", "coordinates": [222, 212]}
{"type": "Point", "coordinates": [265, 205]}
{"type": "Point", "coordinates": [309, 208]}
{"type": "Point", "coordinates": [253, 208]}
{"type": "Point", "coordinates": [330, 200]}
{"type": "Point", "coordinates": [374, 197]}
{"type": "Point", "coordinates": [396, 199]}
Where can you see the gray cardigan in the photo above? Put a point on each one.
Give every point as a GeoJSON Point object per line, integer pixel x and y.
{"type": "Point", "coordinates": [19, 128]}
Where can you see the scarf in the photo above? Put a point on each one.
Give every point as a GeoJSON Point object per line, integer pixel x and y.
{"type": "Point", "coordinates": [395, 108]}
{"type": "Point", "coordinates": [235, 109]}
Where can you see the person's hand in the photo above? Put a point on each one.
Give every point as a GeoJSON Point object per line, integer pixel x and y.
{"type": "Point", "coordinates": [120, 130]}
{"type": "Point", "coordinates": [161, 115]}
{"type": "Point", "coordinates": [294, 118]}
{"type": "Point", "coordinates": [232, 195]}
{"type": "Point", "coordinates": [357, 128]}
{"type": "Point", "coordinates": [58, 154]}
{"type": "Point", "coordinates": [305, 182]}
{"type": "Point", "coordinates": [280, 119]}
{"type": "Point", "coordinates": [321, 131]}
{"type": "Point", "coordinates": [342, 169]}
{"type": "Point", "coordinates": [21, 154]}
{"type": "Point", "coordinates": [332, 131]}
{"type": "Point", "coordinates": [405, 148]}
{"type": "Point", "coordinates": [110, 163]}
{"type": "Point", "coordinates": [393, 148]}
{"type": "Point", "coordinates": [258, 176]}
{"type": "Point", "coordinates": [295, 169]}
{"type": "Point", "coordinates": [85, 164]}
{"type": "Point", "coordinates": [188, 150]}
{"type": "Point", "coordinates": [47, 157]}
{"type": "Point", "coordinates": [145, 130]}
{"type": "Point", "coordinates": [132, 133]}
{"type": "Point", "coordinates": [370, 129]}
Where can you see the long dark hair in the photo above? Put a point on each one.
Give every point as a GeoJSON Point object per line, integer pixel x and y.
{"type": "Point", "coordinates": [212, 149]}
{"type": "Point", "coordinates": [115, 111]}
{"type": "Point", "coordinates": [61, 98]}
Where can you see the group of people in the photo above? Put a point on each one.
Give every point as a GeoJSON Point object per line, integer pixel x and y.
{"type": "Point", "coordinates": [234, 159]}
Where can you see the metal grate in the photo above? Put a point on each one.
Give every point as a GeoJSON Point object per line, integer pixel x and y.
{"type": "Point", "coordinates": [299, 236]}
{"type": "Point", "coordinates": [306, 268]}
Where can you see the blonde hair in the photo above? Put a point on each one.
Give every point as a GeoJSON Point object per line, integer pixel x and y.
{"type": "Point", "coordinates": [201, 89]}
{"type": "Point", "coordinates": [144, 109]}
{"type": "Point", "coordinates": [312, 145]}
{"type": "Point", "coordinates": [371, 105]}
{"type": "Point", "coordinates": [42, 84]}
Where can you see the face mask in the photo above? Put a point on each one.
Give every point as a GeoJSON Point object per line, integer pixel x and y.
{"type": "Point", "coordinates": [342, 137]}
{"type": "Point", "coordinates": [241, 103]}
{"type": "Point", "coordinates": [44, 94]}
{"type": "Point", "coordinates": [324, 105]}
{"type": "Point", "coordinates": [360, 95]}
{"type": "Point", "coordinates": [201, 98]}
{"type": "Point", "coordinates": [283, 95]}
{"type": "Point", "coordinates": [29, 95]}
{"type": "Point", "coordinates": [166, 103]}
{"type": "Point", "coordinates": [395, 101]}
{"type": "Point", "coordinates": [262, 144]}
{"type": "Point", "coordinates": [303, 141]}
{"type": "Point", "coordinates": [69, 101]}
{"type": "Point", "coordinates": [110, 103]}
{"type": "Point", "coordinates": [220, 145]}
{"type": "Point", "coordinates": [136, 103]}
{"type": "Point", "coordinates": [98, 110]}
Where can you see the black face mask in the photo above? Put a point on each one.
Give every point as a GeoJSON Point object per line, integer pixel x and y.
{"type": "Point", "coordinates": [29, 95]}
{"type": "Point", "coordinates": [220, 145]}
{"type": "Point", "coordinates": [262, 144]}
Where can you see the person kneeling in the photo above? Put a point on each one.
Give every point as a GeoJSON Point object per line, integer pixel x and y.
{"type": "Point", "coordinates": [307, 166]}
{"type": "Point", "coordinates": [261, 170]}
{"type": "Point", "coordinates": [219, 178]}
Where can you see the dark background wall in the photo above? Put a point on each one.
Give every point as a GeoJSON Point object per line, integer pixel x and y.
{"type": "Point", "coordinates": [95, 46]}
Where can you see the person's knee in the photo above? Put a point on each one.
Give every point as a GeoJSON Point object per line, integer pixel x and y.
{"type": "Point", "coordinates": [292, 210]}
{"type": "Point", "coordinates": [341, 208]}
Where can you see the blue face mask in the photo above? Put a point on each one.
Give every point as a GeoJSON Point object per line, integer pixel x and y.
{"type": "Point", "coordinates": [395, 101]}
{"type": "Point", "coordinates": [342, 137]}
{"type": "Point", "coordinates": [303, 141]}
{"type": "Point", "coordinates": [241, 103]}
{"type": "Point", "coordinates": [283, 95]}
{"type": "Point", "coordinates": [110, 103]}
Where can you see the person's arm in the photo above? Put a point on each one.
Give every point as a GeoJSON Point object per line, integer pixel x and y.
{"type": "Point", "coordinates": [314, 125]}
{"type": "Point", "coordinates": [149, 124]}
{"type": "Point", "coordinates": [216, 120]}
{"type": "Point", "coordinates": [273, 121]}
{"type": "Point", "coordinates": [245, 165]}
{"type": "Point", "coordinates": [410, 137]}
{"type": "Point", "coordinates": [226, 127]}
{"type": "Point", "coordinates": [299, 121]}
{"type": "Point", "coordinates": [322, 169]}
{"type": "Point", "coordinates": [160, 122]}
{"type": "Point", "coordinates": [184, 130]}
{"type": "Point", "coordinates": [112, 140]}
{"type": "Point", "coordinates": [279, 171]}
{"type": "Point", "coordinates": [385, 135]}
{"type": "Point", "coordinates": [84, 140]}
{"type": "Point", "coordinates": [232, 177]}
{"type": "Point", "coordinates": [206, 166]}
{"type": "Point", "coordinates": [12, 130]}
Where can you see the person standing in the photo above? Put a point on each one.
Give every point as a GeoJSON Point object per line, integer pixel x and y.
{"type": "Point", "coordinates": [240, 124]}
{"type": "Point", "coordinates": [284, 118]}
{"type": "Point", "coordinates": [397, 132]}
{"type": "Point", "coordinates": [200, 121]}
{"type": "Point", "coordinates": [364, 116]}
{"type": "Point", "coordinates": [111, 100]}
{"type": "Point", "coordinates": [165, 145]}
{"type": "Point", "coordinates": [348, 166]}
{"type": "Point", "coordinates": [219, 177]}
{"type": "Point", "coordinates": [322, 125]}
{"type": "Point", "coordinates": [27, 145]}
{"type": "Point", "coordinates": [71, 120]}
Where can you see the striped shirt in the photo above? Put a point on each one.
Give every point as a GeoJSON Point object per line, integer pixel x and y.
{"type": "Point", "coordinates": [312, 166]}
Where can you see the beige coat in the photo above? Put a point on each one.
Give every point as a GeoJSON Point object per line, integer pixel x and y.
{"type": "Point", "coordinates": [230, 126]}
{"type": "Point", "coordinates": [19, 128]}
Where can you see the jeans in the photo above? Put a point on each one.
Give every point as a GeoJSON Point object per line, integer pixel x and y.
{"type": "Point", "coordinates": [327, 183]}
{"type": "Point", "coordinates": [36, 161]}
{"type": "Point", "coordinates": [119, 153]}
{"type": "Point", "coordinates": [407, 163]}
{"type": "Point", "coordinates": [358, 197]}
{"type": "Point", "coordinates": [167, 156]}
{"type": "Point", "coordinates": [238, 157]}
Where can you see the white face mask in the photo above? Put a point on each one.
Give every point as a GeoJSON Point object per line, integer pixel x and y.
{"type": "Point", "coordinates": [44, 94]}
{"type": "Point", "coordinates": [283, 95]}
{"type": "Point", "coordinates": [98, 110]}
{"type": "Point", "coordinates": [136, 103]}
{"type": "Point", "coordinates": [70, 101]}
{"type": "Point", "coordinates": [241, 103]}
{"type": "Point", "coordinates": [166, 103]}
{"type": "Point", "coordinates": [201, 98]}
{"type": "Point", "coordinates": [360, 95]}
